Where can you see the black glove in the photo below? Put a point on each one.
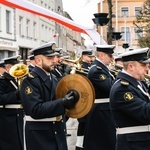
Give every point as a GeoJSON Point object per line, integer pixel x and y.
{"type": "Point", "coordinates": [70, 99]}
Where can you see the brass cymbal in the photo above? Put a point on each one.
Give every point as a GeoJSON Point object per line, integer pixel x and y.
{"type": "Point", "coordinates": [83, 87]}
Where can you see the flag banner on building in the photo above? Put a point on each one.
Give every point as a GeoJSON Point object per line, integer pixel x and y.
{"type": "Point", "coordinates": [39, 10]}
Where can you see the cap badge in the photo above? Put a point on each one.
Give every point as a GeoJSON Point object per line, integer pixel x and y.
{"type": "Point", "coordinates": [53, 46]}
{"type": "Point", "coordinates": [28, 90]}
{"type": "Point", "coordinates": [102, 77]}
{"type": "Point", "coordinates": [128, 96]}
{"type": "Point", "coordinates": [61, 51]}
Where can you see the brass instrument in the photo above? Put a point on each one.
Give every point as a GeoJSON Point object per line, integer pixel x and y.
{"type": "Point", "coordinates": [19, 71]}
{"type": "Point", "coordinates": [116, 68]}
{"type": "Point", "coordinates": [75, 66]}
{"type": "Point", "coordinates": [147, 76]}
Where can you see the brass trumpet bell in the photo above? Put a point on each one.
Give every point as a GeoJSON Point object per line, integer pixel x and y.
{"type": "Point", "coordinates": [147, 76]}
{"type": "Point", "coordinates": [76, 66]}
{"type": "Point", "coordinates": [83, 87]}
{"type": "Point", "coordinates": [19, 70]}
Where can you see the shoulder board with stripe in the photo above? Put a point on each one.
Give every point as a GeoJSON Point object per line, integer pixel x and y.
{"type": "Point", "coordinates": [98, 67]}
{"type": "Point", "coordinates": [30, 75]}
{"type": "Point", "coordinates": [124, 83]}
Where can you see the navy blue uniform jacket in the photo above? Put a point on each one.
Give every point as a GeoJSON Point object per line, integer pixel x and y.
{"type": "Point", "coordinates": [38, 99]}
{"type": "Point", "coordinates": [100, 129]}
{"type": "Point", "coordinates": [130, 107]}
{"type": "Point", "coordinates": [11, 120]}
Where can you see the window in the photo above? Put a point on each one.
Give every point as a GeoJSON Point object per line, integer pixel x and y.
{"type": "Point", "coordinates": [124, 12]}
{"type": "Point", "coordinates": [10, 54]}
{"type": "Point", "coordinates": [27, 27]}
{"type": "Point", "coordinates": [125, 34]}
{"type": "Point", "coordinates": [42, 3]}
{"type": "Point", "coordinates": [8, 21]}
{"type": "Point", "coordinates": [45, 5]}
{"type": "Point", "coordinates": [34, 30]}
{"type": "Point", "coordinates": [137, 11]}
{"type": "Point", "coordinates": [138, 32]}
{"type": "Point", "coordinates": [46, 33]}
{"type": "Point", "coordinates": [42, 31]}
{"type": "Point", "coordinates": [20, 26]}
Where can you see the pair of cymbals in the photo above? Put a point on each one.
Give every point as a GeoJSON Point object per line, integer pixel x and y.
{"type": "Point", "coordinates": [83, 87]}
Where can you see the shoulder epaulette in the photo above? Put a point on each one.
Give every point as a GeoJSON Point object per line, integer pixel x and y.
{"type": "Point", "coordinates": [124, 83]}
{"type": "Point", "coordinates": [30, 75]}
{"type": "Point", "coordinates": [98, 67]}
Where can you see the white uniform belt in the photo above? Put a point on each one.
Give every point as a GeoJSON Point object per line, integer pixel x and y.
{"type": "Point", "coordinates": [134, 129]}
{"type": "Point", "coordinates": [29, 118]}
{"type": "Point", "coordinates": [13, 106]}
{"type": "Point", "coordinates": [102, 100]}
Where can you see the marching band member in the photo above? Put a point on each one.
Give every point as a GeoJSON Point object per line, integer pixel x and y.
{"type": "Point", "coordinates": [44, 128]}
{"type": "Point", "coordinates": [32, 63]}
{"type": "Point", "coordinates": [11, 112]}
{"type": "Point", "coordinates": [60, 70]}
{"type": "Point", "coordinates": [85, 63]}
{"type": "Point", "coordinates": [116, 66]}
{"type": "Point", "coordinates": [130, 102]}
{"type": "Point", "coordinates": [100, 130]}
{"type": "Point", "coordinates": [86, 58]}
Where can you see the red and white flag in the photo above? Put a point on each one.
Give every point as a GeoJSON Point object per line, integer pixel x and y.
{"type": "Point", "coordinates": [41, 11]}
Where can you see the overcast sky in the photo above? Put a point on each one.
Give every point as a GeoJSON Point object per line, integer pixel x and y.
{"type": "Point", "coordinates": [81, 11]}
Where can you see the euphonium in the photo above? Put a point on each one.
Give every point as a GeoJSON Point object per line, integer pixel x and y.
{"type": "Point", "coordinates": [19, 71]}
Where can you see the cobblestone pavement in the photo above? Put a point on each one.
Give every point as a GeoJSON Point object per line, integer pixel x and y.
{"type": "Point", "coordinates": [72, 129]}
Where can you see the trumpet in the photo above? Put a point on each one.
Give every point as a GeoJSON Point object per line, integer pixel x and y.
{"type": "Point", "coordinates": [147, 76]}
{"type": "Point", "coordinates": [19, 71]}
{"type": "Point", "coordinates": [75, 65]}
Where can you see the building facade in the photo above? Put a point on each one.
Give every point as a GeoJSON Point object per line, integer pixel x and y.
{"type": "Point", "coordinates": [21, 31]}
{"type": "Point", "coordinates": [124, 14]}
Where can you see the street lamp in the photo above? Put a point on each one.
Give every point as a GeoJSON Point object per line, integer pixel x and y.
{"type": "Point", "coordinates": [101, 20]}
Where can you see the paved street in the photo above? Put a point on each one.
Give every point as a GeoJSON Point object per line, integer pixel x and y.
{"type": "Point", "coordinates": [72, 129]}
